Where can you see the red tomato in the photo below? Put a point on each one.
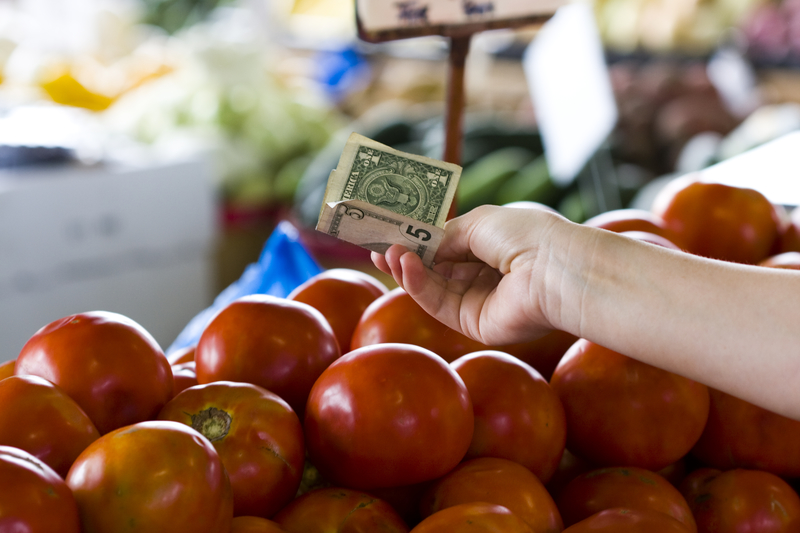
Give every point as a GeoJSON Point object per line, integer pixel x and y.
{"type": "Point", "coordinates": [387, 415]}
{"type": "Point", "coordinates": [718, 221]}
{"type": "Point", "coordinates": [184, 355]}
{"type": "Point", "coordinates": [396, 317]}
{"type": "Point", "coordinates": [790, 260]}
{"type": "Point", "coordinates": [517, 415]}
{"type": "Point", "coordinates": [789, 239]}
{"type": "Point", "coordinates": [335, 509]}
{"type": "Point", "coordinates": [254, 524]}
{"type": "Point", "coordinates": [652, 238]}
{"type": "Point", "coordinates": [625, 220]}
{"type": "Point", "coordinates": [257, 435]}
{"type": "Point", "coordinates": [621, 411]}
{"type": "Point", "coordinates": [7, 369]}
{"type": "Point", "coordinates": [109, 364]}
{"type": "Point", "coordinates": [341, 295]}
{"type": "Point", "coordinates": [570, 467]}
{"type": "Point", "coordinates": [743, 500]}
{"type": "Point", "coordinates": [628, 487]}
{"type": "Point", "coordinates": [184, 375]}
{"type": "Point", "coordinates": [619, 520]}
{"type": "Point", "coordinates": [41, 419]}
{"type": "Point", "coordinates": [544, 353]}
{"type": "Point", "coordinates": [500, 482]}
{"type": "Point", "coordinates": [154, 477]}
{"type": "Point", "coordinates": [741, 435]}
{"type": "Point", "coordinates": [280, 345]}
{"type": "Point", "coordinates": [33, 498]}
{"type": "Point", "coordinates": [473, 517]}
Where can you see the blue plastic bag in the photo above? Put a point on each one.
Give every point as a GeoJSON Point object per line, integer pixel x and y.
{"type": "Point", "coordinates": [284, 264]}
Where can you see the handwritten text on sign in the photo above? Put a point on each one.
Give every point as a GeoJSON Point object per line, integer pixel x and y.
{"type": "Point", "coordinates": [381, 15]}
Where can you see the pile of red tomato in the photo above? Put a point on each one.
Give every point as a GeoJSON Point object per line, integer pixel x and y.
{"type": "Point", "coordinates": [346, 408]}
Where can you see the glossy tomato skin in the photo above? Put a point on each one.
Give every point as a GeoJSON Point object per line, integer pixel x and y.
{"type": "Point", "coordinates": [115, 484]}
{"type": "Point", "coordinates": [640, 220]}
{"type": "Point", "coordinates": [544, 353]}
{"type": "Point", "coordinates": [517, 415]}
{"type": "Point", "coordinates": [109, 364]}
{"type": "Point", "coordinates": [789, 260]}
{"type": "Point", "coordinates": [473, 517]}
{"type": "Point", "coordinates": [387, 415]}
{"type": "Point", "coordinates": [254, 524]}
{"type": "Point", "coordinates": [396, 318]}
{"type": "Point", "coordinates": [184, 375]}
{"type": "Point", "coordinates": [620, 520]}
{"type": "Point", "coordinates": [338, 510]}
{"type": "Point", "coordinates": [652, 238]}
{"type": "Point", "coordinates": [621, 411]}
{"type": "Point", "coordinates": [719, 221]}
{"type": "Point", "coordinates": [183, 355]}
{"type": "Point", "coordinates": [33, 498]}
{"type": "Point", "coordinates": [341, 295]}
{"type": "Point", "coordinates": [744, 500]}
{"type": "Point", "coordinates": [789, 240]}
{"type": "Point", "coordinates": [742, 435]}
{"type": "Point", "coordinates": [500, 482]}
{"type": "Point", "coordinates": [256, 434]}
{"type": "Point", "coordinates": [627, 487]}
{"type": "Point", "coordinates": [7, 369]}
{"type": "Point", "coordinates": [278, 344]}
{"type": "Point", "coordinates": [41, 419]}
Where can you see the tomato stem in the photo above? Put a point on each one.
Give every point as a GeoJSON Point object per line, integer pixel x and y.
{"type": "Point", "coordinates": [212, 423]}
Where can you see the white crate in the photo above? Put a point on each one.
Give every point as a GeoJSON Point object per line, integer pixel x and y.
{"type": "Point", "coordinates": [136, 241]}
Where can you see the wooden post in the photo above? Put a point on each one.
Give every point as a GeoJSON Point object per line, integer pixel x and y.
{"type": "Point", "coordinates": [454, 112]}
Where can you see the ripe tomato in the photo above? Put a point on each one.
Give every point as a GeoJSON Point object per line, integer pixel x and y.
{"type": "Point", "coordinates": [254, 524]}
{"type": "Point", "coordinates": [652, 238]}
{"type": "Point", "coordinates": [41, 419]}
{"type": "Point", "coordinates": [387, 415]}
{"type": "Point", "coordinates": [743, 500]}
{"type": "Point", "coordinates": [719, 221]}
{"type": "Point", "coordinates": [790, 260]}
{"type": "Point", "coordinates": [789, 239]}
{"type": "Point", "coordinates": [7, 369]}
{"type": "Point", "coordinates": [473, 517]}
{"type": "Point", "coordinates": [544, 353]}
{"type": "Point", "coordinates": [570, 467]}
{"type": "Point", "coordinates": [628, 487]}
{"type": "Point", "coordinates": [184, 355]}
{"type": "Point", "coordinates": [341, 295]}
{"type": "Point", "coordinates": [336, 509]}
{"type": "Point", "coordinates": [741, 435]}
{"type": "Point", "coordinates": [280, 345]}
{"type": "Point", "coordinates": [184, 375]}
{"type": "Point", "coordinates": [621, 411]}
{"type": "Point", "coordinates": [619, 519]}
{"type": "Point", "coordinates": [517, 415]}
{"type": "Point", "coordinates": [154, 477]}
{"type": "Point", "coordinates": [109, 364]}
{"type": "Point", "coordinates": [624, 220]}
{"type": "Point", "coordinates": [396, 317]}
{"type": "Point", "coordinates": [33, 498]}
{"type": "Point", "coordinates": [257, 435]}
{"type": "Point", "coordinates": [500, 482]}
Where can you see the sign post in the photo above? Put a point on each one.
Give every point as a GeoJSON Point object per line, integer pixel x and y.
{"type": "Point", "coordinates": [380, 21]}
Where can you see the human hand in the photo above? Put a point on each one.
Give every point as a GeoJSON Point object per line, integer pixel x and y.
{"type": "Point", "coordinates": [489, 278]}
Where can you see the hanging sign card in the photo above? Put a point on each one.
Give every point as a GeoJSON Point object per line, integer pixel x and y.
{"type": "Point", "coordinates": [381, 20]}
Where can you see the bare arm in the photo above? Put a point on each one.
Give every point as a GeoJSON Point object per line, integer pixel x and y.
{"type": "Point", "coordinates": [507, 275]}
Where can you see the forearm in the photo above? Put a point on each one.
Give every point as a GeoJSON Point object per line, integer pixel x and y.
{"type": "Point", "coordinates": [732, 327]}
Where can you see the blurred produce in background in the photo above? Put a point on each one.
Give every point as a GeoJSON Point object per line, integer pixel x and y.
{"type": "Point", "coordinates": [270, 90]}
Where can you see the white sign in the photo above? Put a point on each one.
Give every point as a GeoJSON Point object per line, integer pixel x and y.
{"type": "Point", "coordinates": [383, 15]}
{"type": "Point", "coordinates": [771, 169]}
{"type": "Point", "coordinates": [571, 90]}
